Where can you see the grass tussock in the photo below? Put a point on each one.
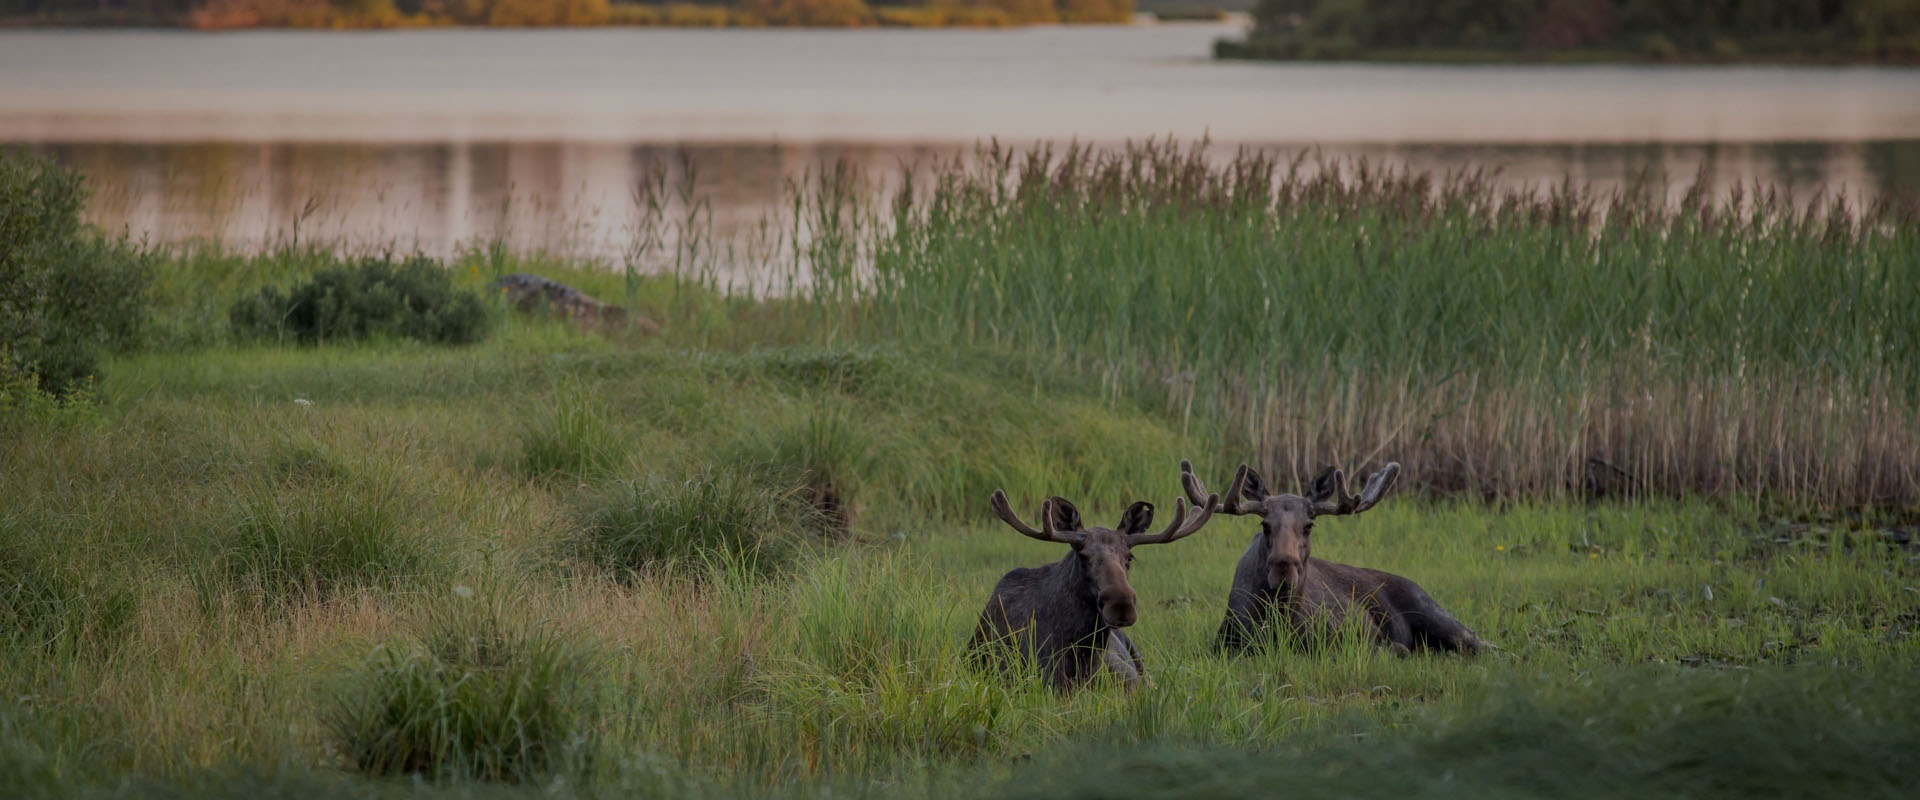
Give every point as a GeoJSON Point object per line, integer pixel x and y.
{"type": "Point", "coordinates": [476, 696]}
{"type": "Point", "coordinates": [717, 517]}
{"type": "Point", "coordinates": [573, 437]}
{"type": "Point", "coordinates": [825, 455]}
{"type": "Point", "coordinates": [318, 539]}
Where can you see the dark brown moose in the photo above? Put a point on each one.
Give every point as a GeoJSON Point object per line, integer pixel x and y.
{"type": "Point", "coordinates": [1277, 575]}
{"type": "Point", "coordinates": [1065, 617]}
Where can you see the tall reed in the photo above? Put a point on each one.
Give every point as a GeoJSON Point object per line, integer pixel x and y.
{"type": "Point", "coordinates": [1502, 343]}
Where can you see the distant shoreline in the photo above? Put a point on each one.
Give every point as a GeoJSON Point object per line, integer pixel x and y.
{"type": "Point", "coordinates": [1241, 50]}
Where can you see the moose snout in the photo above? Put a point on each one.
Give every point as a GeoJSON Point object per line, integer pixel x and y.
{"type": "Point", "coordinates": [1117, 609]}
{"type": "Point", "coordinates": [1283, 570]}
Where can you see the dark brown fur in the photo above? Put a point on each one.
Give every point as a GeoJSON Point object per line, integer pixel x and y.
{"type": "Point", "coordinates": [1065, 618]}
{"type": "Point", "coordinates": [1278, 577]}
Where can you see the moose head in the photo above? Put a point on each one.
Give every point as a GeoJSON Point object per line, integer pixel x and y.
{"type": "Point", "coordinates": [1286, 520]}
{"type": "Point", "coordinates": [1104, 554]}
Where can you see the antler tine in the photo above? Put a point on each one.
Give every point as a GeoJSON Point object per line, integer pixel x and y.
{"type": "Point", "coordinates": [1234, 502]}
{"type": "Point", "coordinates": [1196, 491]}
{"type": "Point", "coordinates": [1047, 533]}
{"type": "Point", "coordinates": [1005, 512]}
{"type": "Point", "coordinates": [1199, 520]}
{"type": "Point", "coordinates": [1182, 526]}
{"type": "Point", "coordinates": [1378, 484]}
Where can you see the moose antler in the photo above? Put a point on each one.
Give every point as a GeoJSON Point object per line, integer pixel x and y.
{"type": "Point", "coordinates": [1329, 491]}
{"type": "Point", "coordinates": [1005, 513]}
{"type": "Point", "coordinates": [1181, 526]}
{"type": "Point", "coordinates": [1229, 503]}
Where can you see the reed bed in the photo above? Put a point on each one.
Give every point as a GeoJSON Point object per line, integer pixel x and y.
{"type": "Point", "coordinates": [1503, 343]}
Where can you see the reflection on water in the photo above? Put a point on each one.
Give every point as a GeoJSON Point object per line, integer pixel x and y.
{"type": "Point", "coordinates": [540, 139]}
{"type": "Point", "coordinates": [586, 199]}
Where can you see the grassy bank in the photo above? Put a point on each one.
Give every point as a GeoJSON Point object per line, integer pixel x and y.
{"type": "Point", "coordinates": [599, 563]}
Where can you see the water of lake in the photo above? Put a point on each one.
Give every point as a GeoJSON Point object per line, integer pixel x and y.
{"type": "Point", "coordinates": [436, 138]}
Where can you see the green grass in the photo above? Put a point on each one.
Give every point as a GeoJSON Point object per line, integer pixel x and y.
{"type": "Point", "coordinates": [844, 668]}
{"type": "Point", "coordinates": [584, 565]}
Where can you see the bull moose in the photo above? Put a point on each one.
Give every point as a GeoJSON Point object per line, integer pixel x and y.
{"type": "Point", "coordinates": [1277, 574]}
{"type": "Point", "coordinates": [1065, 617]}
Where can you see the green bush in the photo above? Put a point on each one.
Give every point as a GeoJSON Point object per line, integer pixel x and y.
{"type": "Point", "coordinates": [475, 698]}
{"type": "Point", "coordinates": [66, 292]}
{"type": "Point", "coordinates": [717, 515]}
{"type": "Point", "coordinates": [412, 299]}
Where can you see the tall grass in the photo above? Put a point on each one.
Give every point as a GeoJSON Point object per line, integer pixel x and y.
{"type": "Point", "coordinates": [1498, 343]}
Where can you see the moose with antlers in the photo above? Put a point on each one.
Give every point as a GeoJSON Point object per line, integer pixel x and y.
{"type": "Point", "coordinates": [1277, 575]}
{"type": "Point", "coordinates": [1065, 617]}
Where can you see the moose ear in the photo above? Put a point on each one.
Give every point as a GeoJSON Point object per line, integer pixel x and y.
{"type": "Point", "coordinates": [1065, 516]}
{"type": "Point", "coordinates": [1251, 487]}
{"type": "Point", "coordinates": [1137, 518]}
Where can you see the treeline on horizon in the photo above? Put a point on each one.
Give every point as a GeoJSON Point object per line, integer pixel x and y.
{"type": "Point", "coordinates": [231, 14]}
{"type": "Point", "coordinates": [1886, 31]}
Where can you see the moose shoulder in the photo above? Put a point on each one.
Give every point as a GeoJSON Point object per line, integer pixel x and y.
{"type": "Point", "coordinates": [1065, 617]}
{"type": "Point", "coordinates": [1277, 575]}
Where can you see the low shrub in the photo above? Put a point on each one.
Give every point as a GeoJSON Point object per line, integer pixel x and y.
{"type": "Point", "coordinates": [716, 516]}
{"type": "Point", "coordinates": [811, 13]}
{"type": "Point", "coordinates": [369, 297]}
{"type": "Point", "coordinates": [475, 697]}
{"type": "Point", "coordinates": [545, 13]}
{"type": "Point", "coordinates": [67, 294]}
{"type": "Point", "coordinates": [25, 404]}
{"type": "Point", "coordinates": [694, 15]}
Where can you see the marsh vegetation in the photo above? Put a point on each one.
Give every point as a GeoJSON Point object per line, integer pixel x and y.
{"type": "Point", "coordinates": [588, 563]}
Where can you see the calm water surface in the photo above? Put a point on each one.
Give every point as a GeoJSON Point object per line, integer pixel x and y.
{"type": "Point", "coordinates": [438, 138]}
